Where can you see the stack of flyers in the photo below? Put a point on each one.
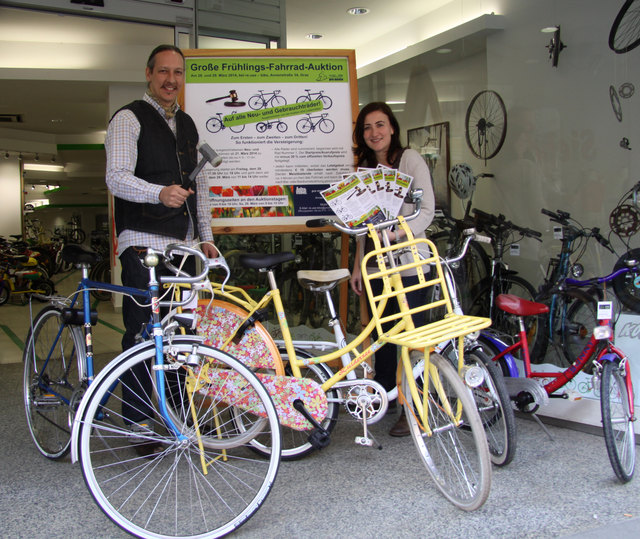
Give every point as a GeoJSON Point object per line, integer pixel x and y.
{"type": "Point", "coordinates": [368, 195]}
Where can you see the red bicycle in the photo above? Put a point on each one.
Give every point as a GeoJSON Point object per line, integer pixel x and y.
{"type": "Point", "coordinates": [608, 363]}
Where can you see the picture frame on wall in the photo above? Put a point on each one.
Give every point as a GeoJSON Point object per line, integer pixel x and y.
{"type": "Point", "coordinates": [432, 143]}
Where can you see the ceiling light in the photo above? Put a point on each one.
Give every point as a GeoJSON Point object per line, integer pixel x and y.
{"type": "Point", "coordinates": [358, 10]}
{"type": "Point", "coordinates": [549, 29]}
{"type": "Point", "coordinates": [314, 36]}
{"type": "Point", "coordinates": [443, 50]}
{"type": "Point", "coordinates": [43, 168]}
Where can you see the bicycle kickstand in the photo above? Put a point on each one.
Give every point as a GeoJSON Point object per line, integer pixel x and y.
{"type": "Point", "coordinates": [367, 439]}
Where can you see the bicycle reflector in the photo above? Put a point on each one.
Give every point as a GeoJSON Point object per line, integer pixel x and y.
{"type": "Point", "coordinates": [461, 180]}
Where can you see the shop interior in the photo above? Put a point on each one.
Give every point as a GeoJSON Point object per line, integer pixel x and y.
{"type": "Point", "coordinates": [561, 137]}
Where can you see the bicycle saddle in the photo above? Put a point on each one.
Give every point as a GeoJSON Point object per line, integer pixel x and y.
{"type": "Point", "coordinates": [265, 261]}
{"type": "Point", "coordinates": [519, 306]}
{"type": "Point", "coordinates": [75, 253]}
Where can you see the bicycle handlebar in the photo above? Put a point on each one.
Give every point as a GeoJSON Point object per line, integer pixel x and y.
{"type": "Point", "coordinates": [181, 277]}
{"type": "Point", "coordinates": [563, 218]}
{"type": "Point", "coordinates": [500, 223]}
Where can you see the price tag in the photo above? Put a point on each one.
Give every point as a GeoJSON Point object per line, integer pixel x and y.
{"type": "Point", "coordinates": [514, 249]}
{"type": "Point", "coordinates": [605, 310]}
{"type": "Point", "coordinates": [557, 233]}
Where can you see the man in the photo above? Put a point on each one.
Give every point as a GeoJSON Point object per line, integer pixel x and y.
{"type": "Point", "coordinates": [151, 150]}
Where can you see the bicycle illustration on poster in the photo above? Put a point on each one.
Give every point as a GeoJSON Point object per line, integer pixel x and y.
{"type": "Point", "coordinates": [432, 143]}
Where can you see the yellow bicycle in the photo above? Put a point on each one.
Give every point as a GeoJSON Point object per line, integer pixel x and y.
{"type": "Point", "coordinates": [441, 410]}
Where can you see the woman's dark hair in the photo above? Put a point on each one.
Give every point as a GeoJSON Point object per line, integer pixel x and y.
{"type": "Point", "coordinates": [365, 156]}
{"type": "Point", "coordinates": [151, 62]}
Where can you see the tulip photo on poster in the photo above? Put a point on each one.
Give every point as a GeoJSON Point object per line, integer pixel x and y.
{"type": "Point", "coordinates": [282, 125]}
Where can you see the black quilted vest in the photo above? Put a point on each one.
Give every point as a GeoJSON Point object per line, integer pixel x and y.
{"type": "Point", "coordinates": [163, 159]}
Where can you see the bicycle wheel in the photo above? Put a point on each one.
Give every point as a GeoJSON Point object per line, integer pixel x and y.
{"type": "Point", "coordinates": [278, 101]}
{"type": "Point", "coordinates": [295, 443]}
{"type": "Point", "coordinates": [493, 403]}
{"type": "Point", "coordinates": [282, 127]}
{"type": "Point", "coordinates": [304, 125]}
{"type": "Point", "coordinates": [625, 30]}
{"type": "Point", "coordinates": [256, 102]}
{"type": "Point", "coordinates": [214, 125]}
{"type": "Point", "coordinates": [5, 292]}
{"type": "Point", "coordinates": [450, 439]}
{"type": "Point", "coordinates": [51, 381]}
{"type": "Point", "coordinates": [627, 285]}
{"type": "Point", "coordinates": [617, 421]}
{"type": "Point", "coordinates": [501, 321]}
{"type": "Point", "coordinates": [326, 125]}
{"type": "Point", "coordinates": [261, 127]}
{"type": "Point", "coordinates": [172, 495]}
{"type": "Point", "coordinates": [582, 317]}
{"type": "Point", "coordinates": [101, 272]}
{"type": "Point", "coordinates": [486, 124]}
{"type": "Point", "coordinates": [43, 289]}
{"type": "Point", "coordinates": [77, 235]}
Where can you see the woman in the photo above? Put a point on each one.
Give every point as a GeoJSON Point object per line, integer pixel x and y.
{"type": "Point", "coordinates": [377, 142]}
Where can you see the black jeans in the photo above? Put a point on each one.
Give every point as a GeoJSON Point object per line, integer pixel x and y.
{"type": "Point", "coordinates": [136, 383]}
{"type": "Point", "coordinates": [386, 362]}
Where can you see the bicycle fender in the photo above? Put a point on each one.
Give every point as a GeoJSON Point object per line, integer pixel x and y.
{"type": "Point", "coordinates": [501, 346]}
{"type": "Point", "coordinates": [610, 356]}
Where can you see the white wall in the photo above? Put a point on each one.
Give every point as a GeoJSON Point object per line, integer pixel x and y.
{"type": "Point", "coordinates": [11, 205]}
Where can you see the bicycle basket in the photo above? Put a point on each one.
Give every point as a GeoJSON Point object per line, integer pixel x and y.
{"type": "Point", "coordinates": [461, 180]}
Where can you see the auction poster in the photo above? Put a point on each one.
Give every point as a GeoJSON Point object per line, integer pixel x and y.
{"type": "Point", "coordinates": [282, 121]}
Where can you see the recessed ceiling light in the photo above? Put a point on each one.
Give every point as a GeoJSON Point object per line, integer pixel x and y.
{"type": "Point", "coordinates": [358, 10]}
{"type": "Point", "coordinates": [548, 29]}
{"type": "Point", "coordinates": [314, 36]}
{"type": "Point", "coordinates": [443, 50]}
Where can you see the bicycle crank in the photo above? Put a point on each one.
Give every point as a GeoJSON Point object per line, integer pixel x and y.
{"type": "Point", "coordinates": [364, 399]}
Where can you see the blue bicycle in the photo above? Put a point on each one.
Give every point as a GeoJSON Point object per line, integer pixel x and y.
{"type": "Point", "coordinates": [204, 482]}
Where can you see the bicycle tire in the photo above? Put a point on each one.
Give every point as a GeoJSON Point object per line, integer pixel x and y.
{"type": "Point", "coordinates": [214, 125]}
{"type": "Point", "coordinates": [43, 289]}
{"type": "Point", "coordinates": [170, 496]}
{"type": "Point", "coordinates": [5, 292]}
{"type": "Point", "coordinates": [326, 125]}
{"type": "Point", "coordinates": [295, 443]}
{"type": "Point", "coordinates": [486, 111]}
{"type": "Point", "coordinates": [77, 235]}
{"type": "Point", "coordinates": [493, 403]}
{"type": "Point", "coordinates": [456, 458]}
{"type": "Point", "coordinates": [101, 272]}
{"type": "Point", "coordinates": [278, 101]}
{"type": "Point", "coordinates": [282, 127]}
{"type": "Point", "coordinates": [617, 421]}
{"type": "Point", "coordinates": [256, 102]}
{"type": "Point", "coordinates": [261, 127]}
{"type": "Point", "coordinates": [624, 35]}
{"type": "Point", "coordinates": [51, 380]}
{"type": "Point", "coordinates": [627, 285]}
{"type": "Point", "coordinates": [573, 314]}
{"type": "Point", "coordinates": [304, 126]}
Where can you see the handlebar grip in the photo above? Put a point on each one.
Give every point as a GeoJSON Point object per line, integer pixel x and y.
{"type": "Point", "coordinates": [482, 239]}
{"type": "Point", "coordinates": [548, 213]}
{"type": "Point", "coordinates": [317, 223]}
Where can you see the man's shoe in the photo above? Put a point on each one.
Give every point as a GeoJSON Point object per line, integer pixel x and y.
{"type": "Point", "coordinates": [401, 428]}
{"type": "Point", "coordinates": [141, 442]}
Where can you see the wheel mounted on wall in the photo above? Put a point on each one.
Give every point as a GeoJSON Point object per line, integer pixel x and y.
{"type": "Point", "coordinates": [625, 30]}
{"type": "Point", "coordinates": [486, 124]}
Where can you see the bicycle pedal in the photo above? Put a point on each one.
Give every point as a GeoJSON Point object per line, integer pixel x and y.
{"type": "Point", "coordinates": [363, 440]}
{"type": "Point", "coordinates": [319, 439]}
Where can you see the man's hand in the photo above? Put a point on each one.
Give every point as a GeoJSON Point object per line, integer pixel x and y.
{"type": "Point", "coordinates": [174, 196]}
{"type": "Point", "coordinates": [209, 249]}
